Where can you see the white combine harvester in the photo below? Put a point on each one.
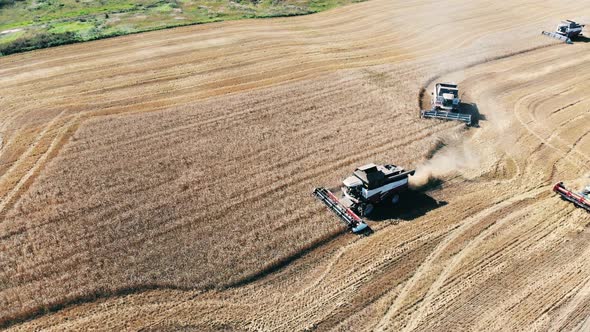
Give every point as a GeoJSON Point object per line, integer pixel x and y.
{"type": "Point", "coordinates": [367, 186]}
{"type": "Point", "coordinates": [445, 104]}
{"type": "Point", "coordinates": [566, 31]}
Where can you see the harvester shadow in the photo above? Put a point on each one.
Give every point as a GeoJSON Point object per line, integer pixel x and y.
{"type": "Point", "coordinates": [581, 39]}
{"type": "Point", "coordinates": [473, 110]}
{"type": "Point", "coordinates": [96, 295]}
{"type": "Point", "coordinates": [413, 204]}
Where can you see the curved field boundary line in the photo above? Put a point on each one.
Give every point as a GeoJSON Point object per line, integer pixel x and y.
{"type": "Point", "coordinates": [456, 232]}
{"type": "Point", "coordinates": [311, 68]}
{"type": "Point", "coordinates": [54, 146]}
{"type": "Point", "coordinates": [270, 268]}
{"type": "Point", "coordinates": [436, 77]}
{"type": "Point", "coordinates": [72, 301]}
{"type": "Point", "coordinates": [66, 134]}
{"type": "Point", "coordinates": [419, 315]}
{"type": "Point", "coordinates": [109, 110]}
{"type": "Point", "coordinates": [339, 255]}
{"type": "Point", "coordinates": [327, 270]}
{"type": "Point", "coordinates": [518, 107]}
{"type": "Point", "coordinates": [384, 44]}
{"type": "Point", "coordinates": [573, 162]}
{"type": "Point", "coordinates": [442, 246]}
{"type": "Point", "coordinates": [568, 268]}
{"type": "Point", "coordinates": [136, 289]}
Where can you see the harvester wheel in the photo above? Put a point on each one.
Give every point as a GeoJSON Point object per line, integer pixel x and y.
{"type": "Point", "coordinates": [366, 209]}
{"type": "Point", "coordinates": [395, 199]}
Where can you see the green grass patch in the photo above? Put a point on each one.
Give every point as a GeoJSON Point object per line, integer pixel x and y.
{"type": "Point", "coordinates": [10, 37]}
{"type": "Point", "coordinates": [39, 40]}
{"type": "Point", "coordinates": [77, 27]}
{"type": "Point", "coordinates": [69, 21]}
{"type": "Point", "coordinates": [13, 25]}
{"type": "Point", "coordinates": [163, 8]}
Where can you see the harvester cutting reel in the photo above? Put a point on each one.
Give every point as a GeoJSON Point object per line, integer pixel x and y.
{"type": "Point", "coordinates": [444, 115]}
{"type": "Point", "coordinates": [354, 223]}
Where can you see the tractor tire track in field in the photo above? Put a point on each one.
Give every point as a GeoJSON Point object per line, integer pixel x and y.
{"type": "Point", "coordinates": [574, 162]}
{"type": "Point", "coordinates": [438, 77]}
{"type": "Point", "coordinates": [420, 313]}
{"type": "Point", "coordinates": [33, 145]}
{"type": "Point", "coordinates": [578, 296]}
{"type": "Point", "coordinates": [414, 319]}
{"type": "Point", "coordinates": [20, 184]}
{"type": "Point", "coordinates": [458, 230]}
{"type": "Point", "coordinates": [158, 212]}
{"type": "Point", "coordinates": [118, 109]}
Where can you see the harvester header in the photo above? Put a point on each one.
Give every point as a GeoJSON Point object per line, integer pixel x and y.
{"type": "Point", "coordinates": [446, 104]}
{"type": "Point", "coordinates": [581, 199]}
{"type": "Point", "coordinates": [352, 221]}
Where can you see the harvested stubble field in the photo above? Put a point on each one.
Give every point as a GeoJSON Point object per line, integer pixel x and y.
{"type": "Point", "coordinates": [162, 180]}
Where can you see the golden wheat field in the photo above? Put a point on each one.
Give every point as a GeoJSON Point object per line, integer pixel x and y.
{"type": "Point", "coordinates": [162, 181]}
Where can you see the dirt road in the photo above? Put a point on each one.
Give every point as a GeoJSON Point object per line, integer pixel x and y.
{"type": "Point", "coordinates": [162, 180]}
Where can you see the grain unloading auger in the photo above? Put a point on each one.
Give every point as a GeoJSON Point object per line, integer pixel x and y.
{"type": "Point", "coordinates": [445, 104]}
{"type": "Point", "coordinates": [566, 31]}
{"type": "Point", "coordinates": [369, 185]}
{"type": "Point", "coordinates": [581, 199]}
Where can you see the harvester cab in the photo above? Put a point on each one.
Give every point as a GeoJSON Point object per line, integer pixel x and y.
{"type": "Point", "coordinates": [372, 184]}
{"type": "Point", "coordinates": [369, 185]}
{"type": "Point", "coordinates": [445, 104]}
{"type": "Point", "coordinates": [446, 97]}
{"type": "Point", "coordinates": [581, 199]}
{"type": "Point", "coordinates": [566, 31]}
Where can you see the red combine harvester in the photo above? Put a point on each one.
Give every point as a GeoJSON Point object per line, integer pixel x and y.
{"type": "Point", "coordinates": [581, 199]}
{"type": "Point", "coordinates": [368, 185]}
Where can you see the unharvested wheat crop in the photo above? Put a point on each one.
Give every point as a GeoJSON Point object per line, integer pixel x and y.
{"type": "Point", "coordinates": [184, 160]}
